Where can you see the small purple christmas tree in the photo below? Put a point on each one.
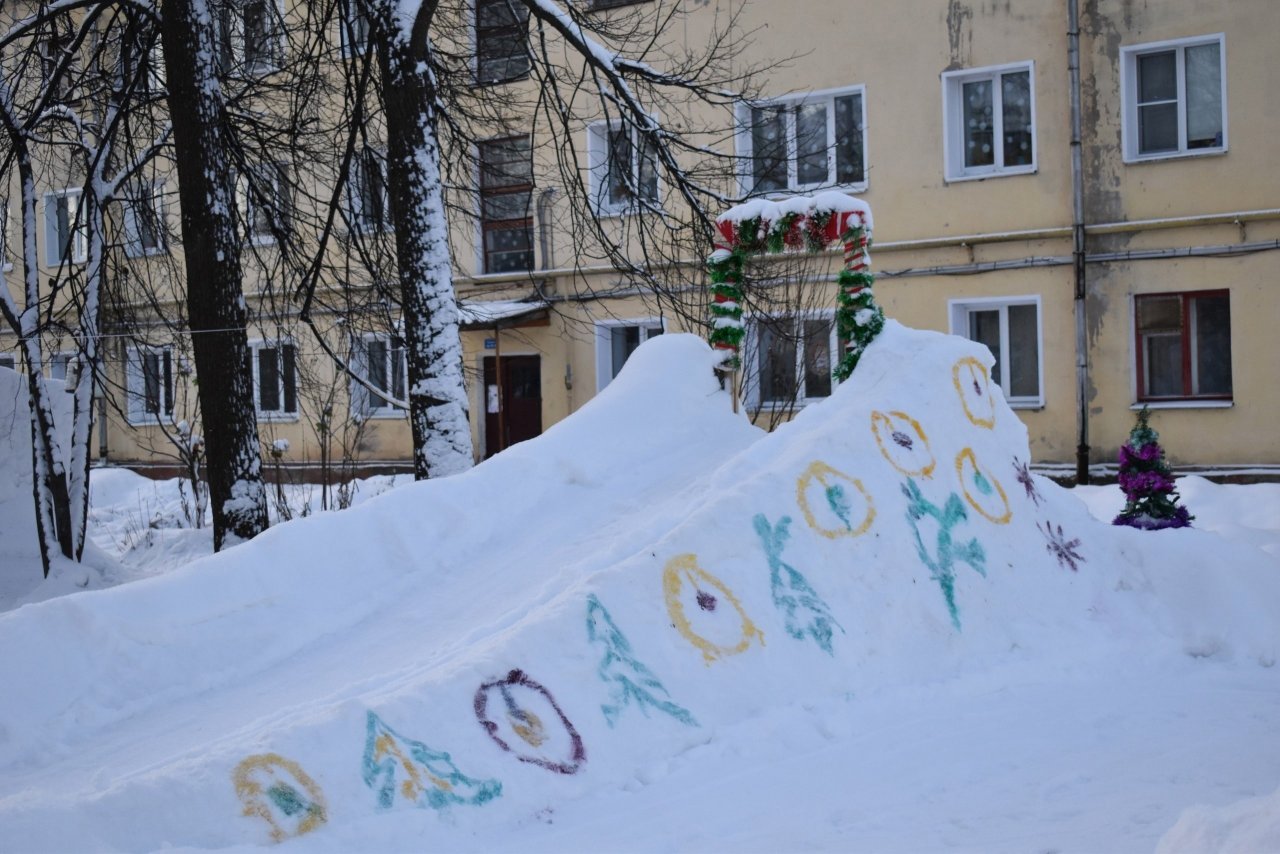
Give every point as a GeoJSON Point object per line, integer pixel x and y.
{"type": "Point", "coordinates": [1151, 498]}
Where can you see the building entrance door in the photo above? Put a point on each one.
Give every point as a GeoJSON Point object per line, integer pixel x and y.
{"type": "Point", "coordinates": [513, 407]}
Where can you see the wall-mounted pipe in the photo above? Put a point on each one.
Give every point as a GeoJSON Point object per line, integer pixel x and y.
{"type": "Point", "coordinates": [1078, 246]}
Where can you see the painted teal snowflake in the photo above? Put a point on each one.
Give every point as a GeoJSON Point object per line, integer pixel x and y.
{"type": "Point", "coordinates": [806, 612]}
{"type": "Point", "coordinates": [631, 682]}
{"type": "Point", "coordinates": [947, 551]}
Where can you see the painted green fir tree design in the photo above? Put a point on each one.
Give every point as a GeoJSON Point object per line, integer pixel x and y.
{"type": "Point", "coordinates": [428, 777]}
{"type": "Point", "coordinates": [946, 551]}
{"type": "Point", "coordinates": [631, 683]}
{"type": "Point", "coordinates": [806, 612]}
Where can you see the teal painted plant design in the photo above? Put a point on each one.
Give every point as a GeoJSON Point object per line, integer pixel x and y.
{"type": "Point", "coordinates": [630, 681]}
{"type": "Point", "coordinates": [805, 611]}
{"type": "Point", "coordinates": [946, 550]}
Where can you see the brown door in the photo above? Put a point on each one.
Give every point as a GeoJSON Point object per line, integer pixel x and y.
{"type": "Point", "coordinates": [512, 408]}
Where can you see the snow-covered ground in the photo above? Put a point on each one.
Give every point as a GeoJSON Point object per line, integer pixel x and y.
{"type": "Point", "coordinates": [658, 628]}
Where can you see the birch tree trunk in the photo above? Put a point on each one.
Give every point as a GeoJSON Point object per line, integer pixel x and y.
{"type": "Point", "coordinates": [216, 309]}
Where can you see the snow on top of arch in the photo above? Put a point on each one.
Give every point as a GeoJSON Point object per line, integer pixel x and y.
{"type": "Point", "coordinates": [772, 211]}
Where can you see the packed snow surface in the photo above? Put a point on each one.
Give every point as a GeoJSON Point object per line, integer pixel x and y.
{"type": "Point", "coordinates": [656, 627]}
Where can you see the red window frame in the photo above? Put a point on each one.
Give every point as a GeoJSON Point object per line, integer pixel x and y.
{"type": "Point", "coordinates": [495, 182]}
{"type": "Point", "coordinates": [1185, 334]}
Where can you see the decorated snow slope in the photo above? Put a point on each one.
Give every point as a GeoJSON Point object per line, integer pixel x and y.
{"type": "Point", "coordinates": [634, 584]}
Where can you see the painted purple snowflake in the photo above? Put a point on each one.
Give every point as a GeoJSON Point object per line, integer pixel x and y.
{"type": "Point", "coordinates": [1024, 478]}
{"type": "Point", "coordinates": [1060, 547]}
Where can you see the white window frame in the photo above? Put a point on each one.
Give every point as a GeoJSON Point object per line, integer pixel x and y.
{"type": "Point", "coordinates": [751, 360]}
{"type": "Point", "coordinates": [598, 157]}
{"type": "Point", "coordinates": [959, 310]}
{"type": "Point", "coordinates": [746, 156]}
{"type": "Point", "coordinates": [60, 362]}
{"type": "Point", "coordinates": [154, 196]}
{"type": "Point", "coordinates": [650, 327]}
{"type": "Point", "coordinates": [363, 402]}
{"type": "Point", "coordinates": [353, 22]}
{"type": "Point", "coordinates": [277, 344]}
{"type": "Point", "coordinates": [79, 238]}
{"type": "Point", "coordinates": [1129, 96]}
{"type": "Point", "coordinates": [953, 83]}
{"type": "Point", "coordinates": [135, 398]}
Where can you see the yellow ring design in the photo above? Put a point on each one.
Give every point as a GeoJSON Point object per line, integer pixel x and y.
{"type": "Point", "coordinates": [251, 794]}
{"type": "Point", "coordinates": [967, 453]}
{"type": "Point", "coordinates": [977, 371]}
{"type": "Point", "coordinates": [822, 472]}
{"type": "Point", "coordinates": [878, 417]}
{"type": "Point", "coordinates": [686, 566]}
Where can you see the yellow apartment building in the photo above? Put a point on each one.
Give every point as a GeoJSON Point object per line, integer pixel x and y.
{"type": "Point", "coordinates": [1085, 187]}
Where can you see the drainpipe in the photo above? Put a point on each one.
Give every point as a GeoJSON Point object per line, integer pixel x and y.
{"type": "Point", "coordinates": [1078, 246]}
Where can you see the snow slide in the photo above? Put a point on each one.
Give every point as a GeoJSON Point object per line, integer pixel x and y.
{"type": "Point", "coordinates": [652, 581]}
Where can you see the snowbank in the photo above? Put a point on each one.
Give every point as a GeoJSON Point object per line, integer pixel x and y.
{"type": "Point", "coordinates": [1244, 827]}
{"type": "Point", "coordinates": [652, 585]}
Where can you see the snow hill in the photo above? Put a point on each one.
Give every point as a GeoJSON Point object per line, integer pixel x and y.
{"type": "Point", "coordinates": [651, 585]}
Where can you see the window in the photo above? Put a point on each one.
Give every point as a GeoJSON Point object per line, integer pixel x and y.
{"type": "Point", "coordinates": [1175, 98]}
{"type": "Point", "coordinates": [623, 168]}
{"type": "Point", "coordinates": [58, 364]}
{"type": "Point", "coordinates": [989, 121]}
{"type": "Point", "coordinates": [367, 193]}
{"type": "Point", "coordinates": [506, 188]}
{"type": "Point", "coordinates": [1010, 328]}
{"type": "Point", "coordinates": [55, 53]}
{"type": "Point", "coordinates": [1183, 345]}
{"type": "Point", "coordinates": [792, 360]}
{"type": "Point", "coordinates": [8, 361]}
{"type": "Point", "coordinates": [502, 31]}
{"type": "Point", "coordinates": [268, 201]}
{"type": "Point", "coordinates": [141, 61]}
{"type": "Point", "coordinates": [354, 29]}
{"type": "Point", "coordinates": [615, 342]}
{"type": "Point", "coordinates": [805, 143]}
{"type": "Point", "coordinates": [249, 35]}
{"type": "Point", "coordinates": [149, 384]}
{"type": "Point", "coordinates": [144, 223]}
{"type": "Point", "coordinates": [275, 379]}
{"type": "Point", "coordinates": [65, 231]}
{"type": "Point", "coordinates": [614, 4]}
{"type": "Point", "coordinates": [381, 361]}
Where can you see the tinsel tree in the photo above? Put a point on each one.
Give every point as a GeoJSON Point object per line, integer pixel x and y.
{"type": "Point", "coordinates": [1151, 499]}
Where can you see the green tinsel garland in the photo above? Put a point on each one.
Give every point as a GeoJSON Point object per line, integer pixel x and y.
{"type": "Point", "coordinates": [727, 330]}
{"type": "Point", "coordinates": [848, 308]}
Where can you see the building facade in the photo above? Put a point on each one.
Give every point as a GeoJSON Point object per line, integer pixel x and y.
{"type": "Point", "coordinates": [1086, 188]}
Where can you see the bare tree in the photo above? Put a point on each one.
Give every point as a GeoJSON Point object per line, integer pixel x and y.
{"type": "Point", "coordinates": [427, 89]}
{"type": "Point", "coordinates": [64, 108]}
{"type": "Point", "coordinates": [216, 308]}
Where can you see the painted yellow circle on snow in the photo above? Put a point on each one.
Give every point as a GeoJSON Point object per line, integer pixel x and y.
{"type": "Point", "coordinates": [279, 792]}
{"type": "Point", "coordinates": [723, 627]}
{"type": "Point", "coordinates": [973, 384]}
{"type": "Point", "coordinates": [843, 507]}
{"type": "Point", "coordinates": [983, 492]}
{"type": "Point", "coordinates": [903, 443]}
